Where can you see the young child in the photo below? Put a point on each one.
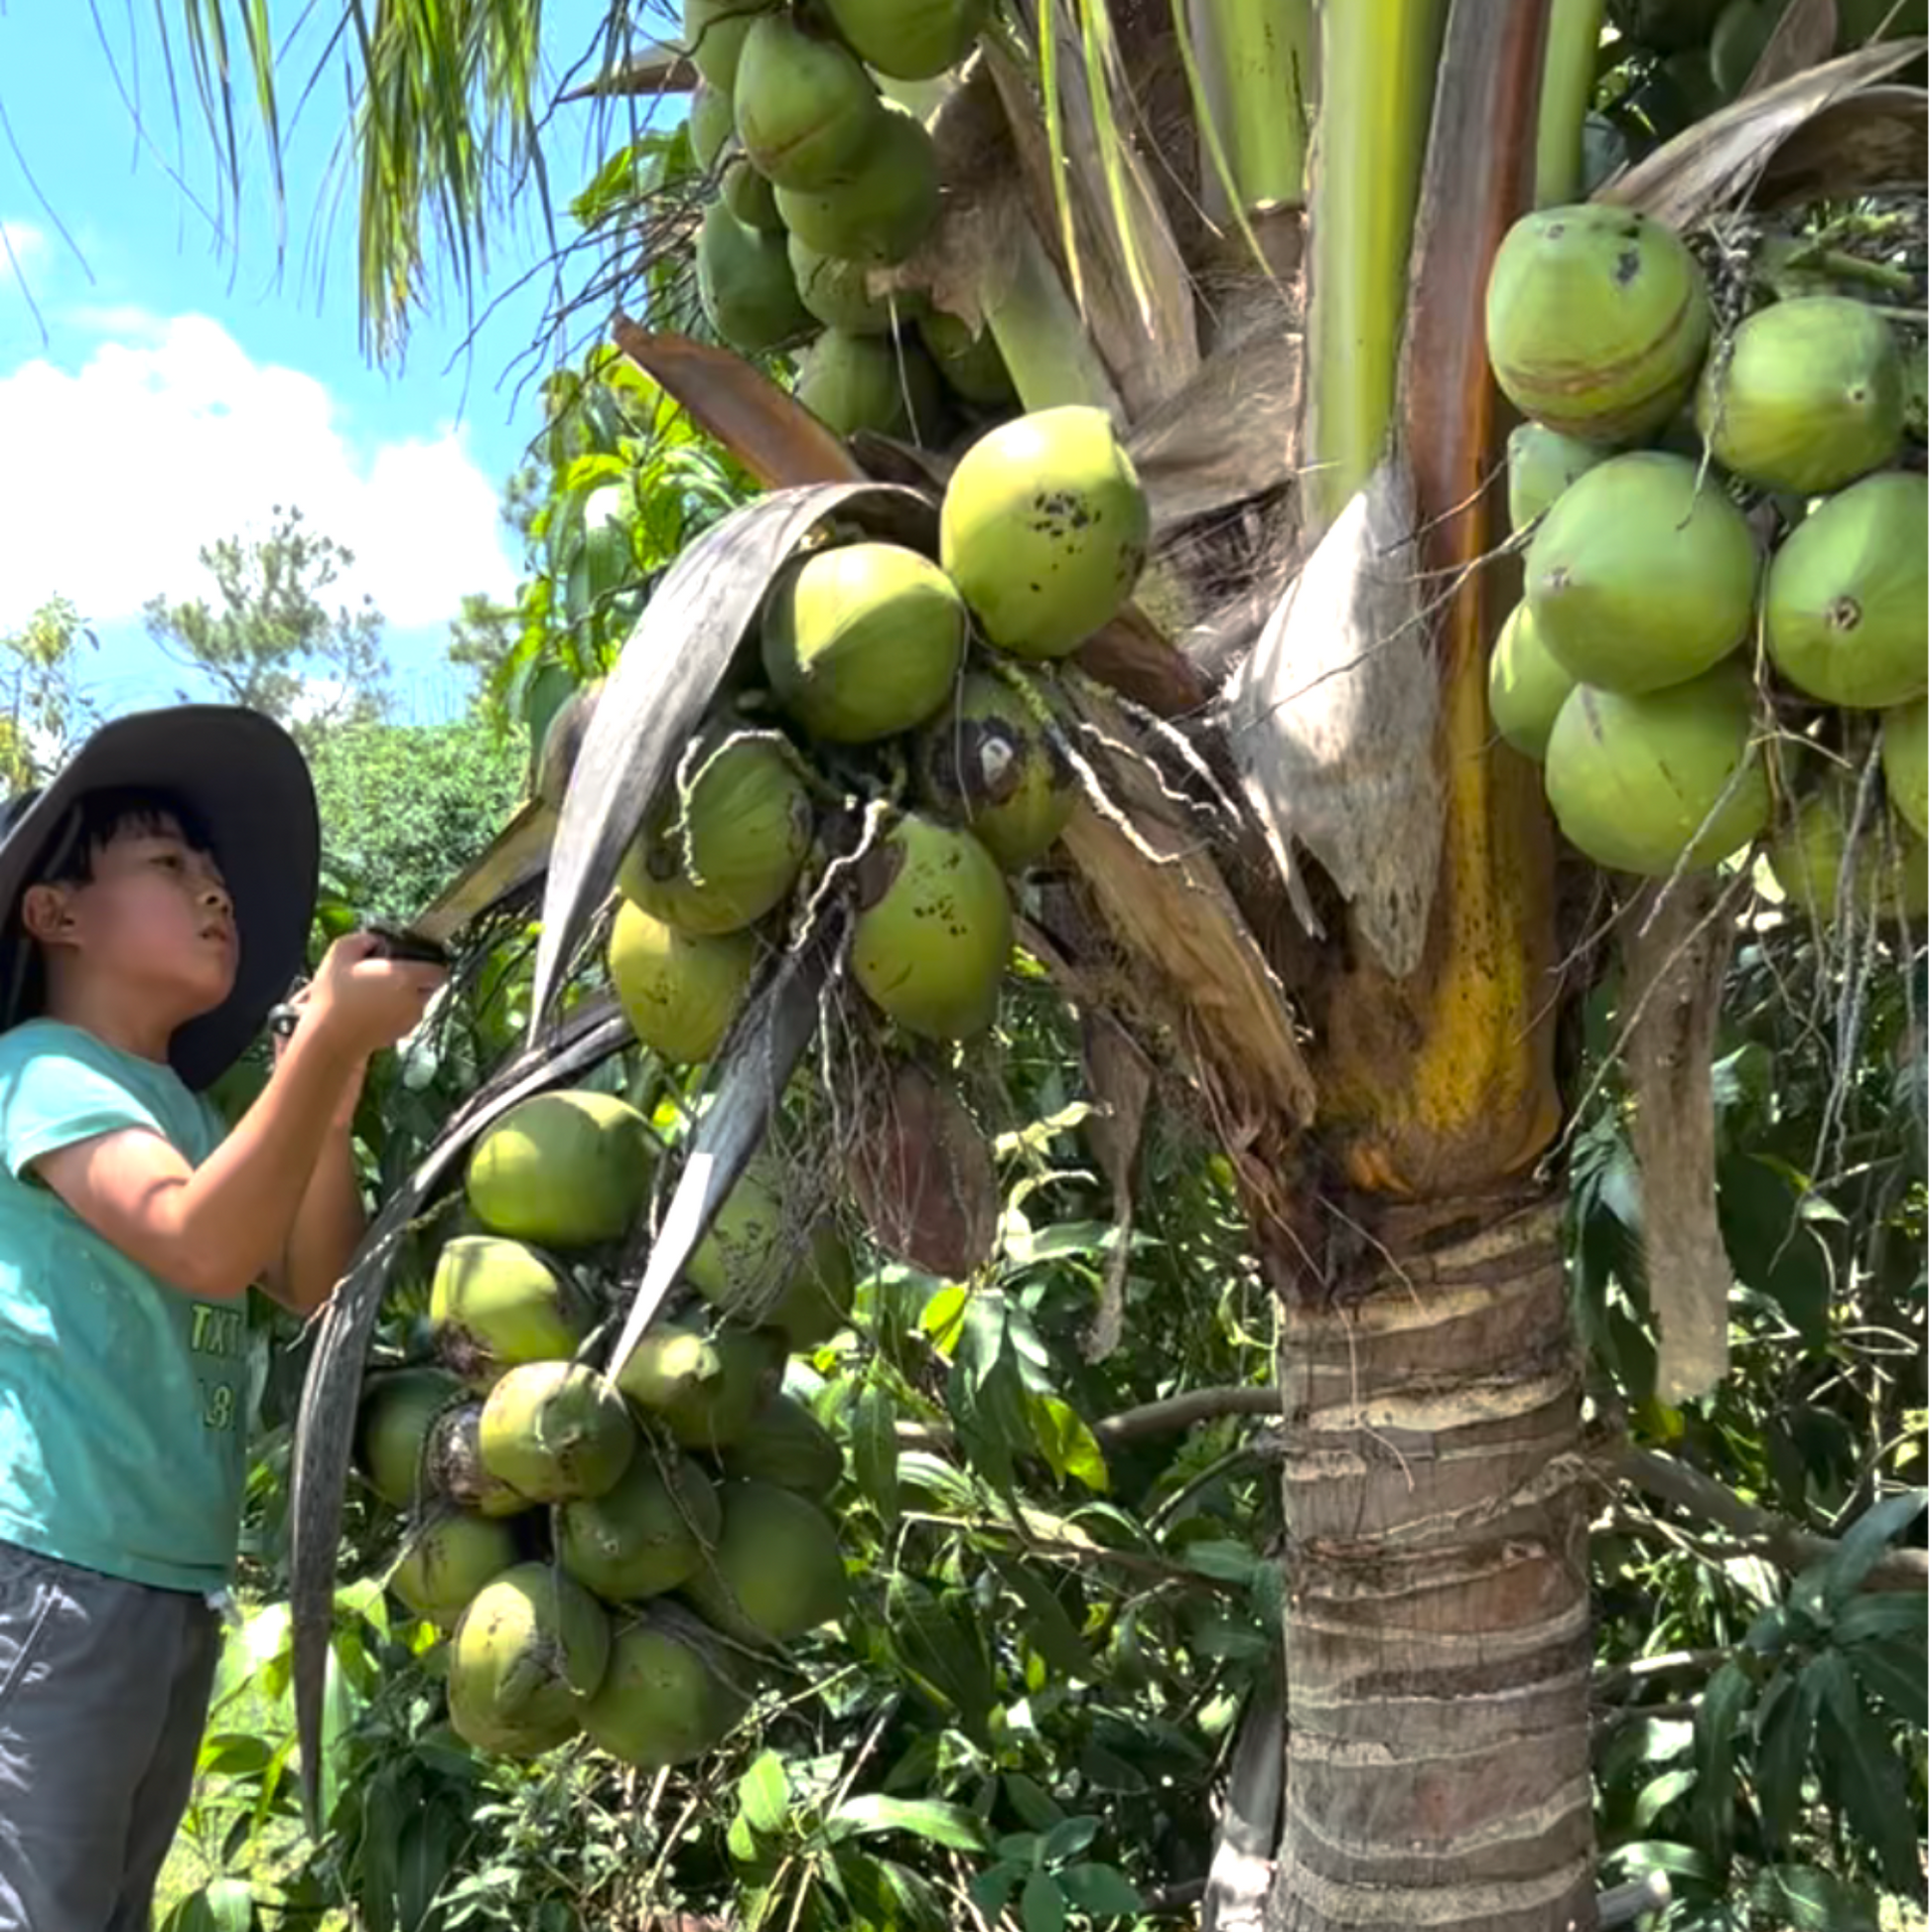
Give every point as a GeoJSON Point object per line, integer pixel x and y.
{"type": "Point", "coordinates": [156, 900]}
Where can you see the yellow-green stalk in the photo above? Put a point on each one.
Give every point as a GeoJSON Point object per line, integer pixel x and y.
{"type": "Point", "coordinates": [1257, 74]}
{"type": "Point", "coordinates": [1048, 352]}
{"type": "Point", "coordinates": [1569, 82]}
{"type": "Point", "coordinates": [1377, 91]}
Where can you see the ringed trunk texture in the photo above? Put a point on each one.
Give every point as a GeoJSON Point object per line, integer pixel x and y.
{"type": "Point", "coordinates": [1438, 1630]}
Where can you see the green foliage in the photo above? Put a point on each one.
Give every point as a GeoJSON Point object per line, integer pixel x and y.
{"type": "Point", "coordinates": [45, 708]}
{"type": "Point", "coordinates": [405, 808]}
{"type": "Point", "coordinates": [270, 641]}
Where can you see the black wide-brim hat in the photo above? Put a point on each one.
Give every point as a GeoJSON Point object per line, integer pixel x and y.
{"type": "Point", "coordinates": [245, 779]}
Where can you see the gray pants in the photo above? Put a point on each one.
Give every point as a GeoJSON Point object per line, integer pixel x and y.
{"type": "Point", "coordinates": [104, 1692]}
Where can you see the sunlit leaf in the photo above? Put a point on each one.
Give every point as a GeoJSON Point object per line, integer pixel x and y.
{"type": "Point", "coordinates": [940, 1824]}
{"type": "Point", "coordinates": [764, 1794]}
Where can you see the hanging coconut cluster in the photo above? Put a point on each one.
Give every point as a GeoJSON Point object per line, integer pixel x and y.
{"type": "Point", "coordinates": [1687, 495]}
{"type": "Point", "coordinates": [608, 1557]}
{"type": "Point", "coordinates": [822, 182]}
{"type": "Point", "coordinates": [613, 1556]}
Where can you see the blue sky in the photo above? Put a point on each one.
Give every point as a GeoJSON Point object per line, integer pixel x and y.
{"type": "Point", "coordinates": [173, 385]}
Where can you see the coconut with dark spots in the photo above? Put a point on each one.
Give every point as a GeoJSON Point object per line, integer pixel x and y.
{"type": "Point", "coordinates": [990, 763]}
{"type": "Point", "coordinates": [1045, 528]}
{"type": "Point", "coordinates": [934, 930]}
{"type": "Point", "coordinates": [1642, 575]}
{"type": "Point", "coordinates": [1597, 320]}
{"type": "Point", "coordinates": [678, 990]}
{"type": "Point", "coordinates": [527, 1656]}
{"type": "Point", "coordinates": [761, 1263]}
{"type": "Point", "coordinates": [456, 1469]}
{"type": "Point", "coordinates": [1844, 604]}
{"type": "Point", "coordinates": [644, 1535]}
{"type": "Point", "coordinates": [446, 1560]}
{"type": "Point", "coordinates": [723, 848]}
{"type": "Point", "coordinates": [1658, 782]}
{"type": "Point", "coordinates": [494, 1303]}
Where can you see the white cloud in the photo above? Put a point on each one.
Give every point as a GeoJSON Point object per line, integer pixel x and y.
{"type": "Point", "coordinates": [24, 242]}
{"type": "Point", "coordinates": [112, 476]}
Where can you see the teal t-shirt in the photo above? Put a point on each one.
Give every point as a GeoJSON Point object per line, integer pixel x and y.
{"type": "Point", "coordinates": [121, 1398]}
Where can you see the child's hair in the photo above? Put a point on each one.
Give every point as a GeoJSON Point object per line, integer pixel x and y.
{"type": "Point", "coordinates": [99, 817]}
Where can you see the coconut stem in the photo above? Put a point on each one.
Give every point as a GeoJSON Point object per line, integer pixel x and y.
{"type": "Point", "coordinates": [1255, 68]}
{"type": "Point", "coordinates": [1377, 91]}
{"type": "Point", "coordinates": [1048, 352]}
{"type": "Point", "coordinates": [1569, 80]}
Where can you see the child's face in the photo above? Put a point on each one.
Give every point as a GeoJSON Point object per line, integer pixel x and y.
{"type": "Point", "coordinates": [156, 914]}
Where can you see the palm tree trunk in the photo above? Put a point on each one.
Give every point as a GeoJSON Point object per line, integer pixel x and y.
{"type": "Point", "coordinates": [1437, 1634]}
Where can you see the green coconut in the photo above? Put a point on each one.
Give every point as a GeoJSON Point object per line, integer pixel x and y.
{"type": "Point", "coordinates": [989, 762]}
{"type": "Point", "coordinates": [447, 1560]}
{"type": "Point", "coordinates": [398, 1414]}
{"type": "Point", "coordinates": [720, 853]}
{"type": "Point", "coordinates": [862, 641]}
{"type": "Point", "coordinates": [836, 293]}
{"type": "Point", "coordinates": [456, 1470]}
{"type": "Point", "coordinates": [704, 1387]}
{"type": "Point", "coordinates": [934, 930]}
{"type": "Point", "coordinates": [1543, 464]}
{"type": "Point", "coordinates": [1822, 871]}
{"type": "Point", "coordinates": [664, 1698]}
{"type": "Point", "coordinates": [563, 741]}
{"type": "Point", "coordinates": [745, 285]}
{"type": "Point", "coordinates": [787, 1445]}
{"type": "Point", "coordinates": [909, 40]}
{"type": "Point", "coordinates": [757, 1264]}
{"type": "Point", "coordinates": [1597, 320]}
{"type": "Point", "coordinates": [1845, 605]}
{"type": "Point", "coordinates": [494, 1303]}
{"type": "Point", "coordinates": [556, 1431]}
{"type": "Point", "coordinates": [715, 31]}
{"type": "Point", "coordinates": [711, 124]}
{"type": "Point", "coordinates": [567, 1169]}
{"type": "Point", "coordinates": [1641, 575]}
{"type": "Point", "coordinates": [970, 364]}
{"type": "Point", "coordinates": [856, 382]}
{"type": "Point", "coordinates": [647, 1534]}
{"type": "Point", "coordinates": [678, 990]}
{"type": "Point", "coordinates": [1648, 783]}
{"type": "Point", "coordinates": [887, 208]}
{"type": "Point", "coordinates": [776, 1572]}
{"type": "Point", "coordinates": [1903, 753]}
{"type": "Point", "coordinates": [1044, 529]}
{"type": "Point", "coordinates": [527, 1655]}
{"type": "Point", "coordinates": [751, 198]}
{"type": "Point", "coordinates": [1527, 686]}
{"type": "Point", "coordinates": [807, 111]}
{"type": "Point", "coordinates": [1811, 394]}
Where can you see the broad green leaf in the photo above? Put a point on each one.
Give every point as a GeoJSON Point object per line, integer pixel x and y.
{"type": "Point", "coordinates": [1030, 1799]}
{"type": "Point", "coordinates": [1659, 1795]}
{"type": "Point", "coordinates": [943, 1319]}
{"type": "Point", "coordinates": [1801, 1898]}
{"type": "Point", "coordinates": [1048, 1625]}
{"type": "Point", "coordinates": [234, 1754]}
{"type": "Point", "coordinates": [1066, 1443]}
{"type": "Point", "coordinates": [940, 1652]}
{"type": "Point", "coordinates": [1880, 1615]}
{"type": "Point", "coordinates": [429, 1850]}
{"type": "Point", "coordinates": [1069, 1837]}
{"type": "Point", "coordinates": [995, 1885]}
{"type": "Point", "coordinates": [1784, 1730]}
{"type": "Point", "coordinates": [1864, 1542]}
{"type": "Point", "coordinates": [1894, 1673]}
{"type": "Point", "coordinates": [927, 1818]}
{"type": "Point", "coordinates": [222, 1905]}
{"type": "Point", "coordinates": [1861, 1773]}
{"type": "Point", "coordinates": [1100, 1892]}
{"type": "Point", "coordinates": [1726, 1698]}
{"type": "Point", "coordinates": [875, 1452]}
{"type": "Point", "coordinates": [764, 1794]}
{"type": "Point", "coordinates": [1043, 1905]}
{"type": "Point", "coordinates": [1224, 1560]}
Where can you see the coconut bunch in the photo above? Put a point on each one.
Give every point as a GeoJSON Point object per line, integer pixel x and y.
{"type": "Point", "coordinates": [822, 181]}
{"type": "Point", "coordinates": [1722, 631]}
{"type": "Point", "coordinates": [609, 1558]}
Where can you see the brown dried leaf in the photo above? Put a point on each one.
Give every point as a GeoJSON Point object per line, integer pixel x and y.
{"type": "Point", "coordinates": [1676, 951]}
{"type": "Point", "coordinates": [650, 70]}
{"type": "Point", "coordinates": [922, 1177]}
{"type": "Point", "coordinates": [1868, 143]}
{"type": "Point", "coordinates": [1326, 716]}
{"type": "Point", "coordinates": [1724, 158]}
{"type": "Point", "coordinates": [776, 437]}
{"type": "Point", "coordinates": [1131, 654]}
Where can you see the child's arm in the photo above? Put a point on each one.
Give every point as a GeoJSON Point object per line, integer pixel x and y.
{"type": "Point", "coordinates": [330, 1222]}
{"type": "Point", "coordinates": [213, 1230]}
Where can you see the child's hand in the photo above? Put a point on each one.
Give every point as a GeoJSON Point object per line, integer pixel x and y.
{"type": "Point", "coordinates": [365, 1003]}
